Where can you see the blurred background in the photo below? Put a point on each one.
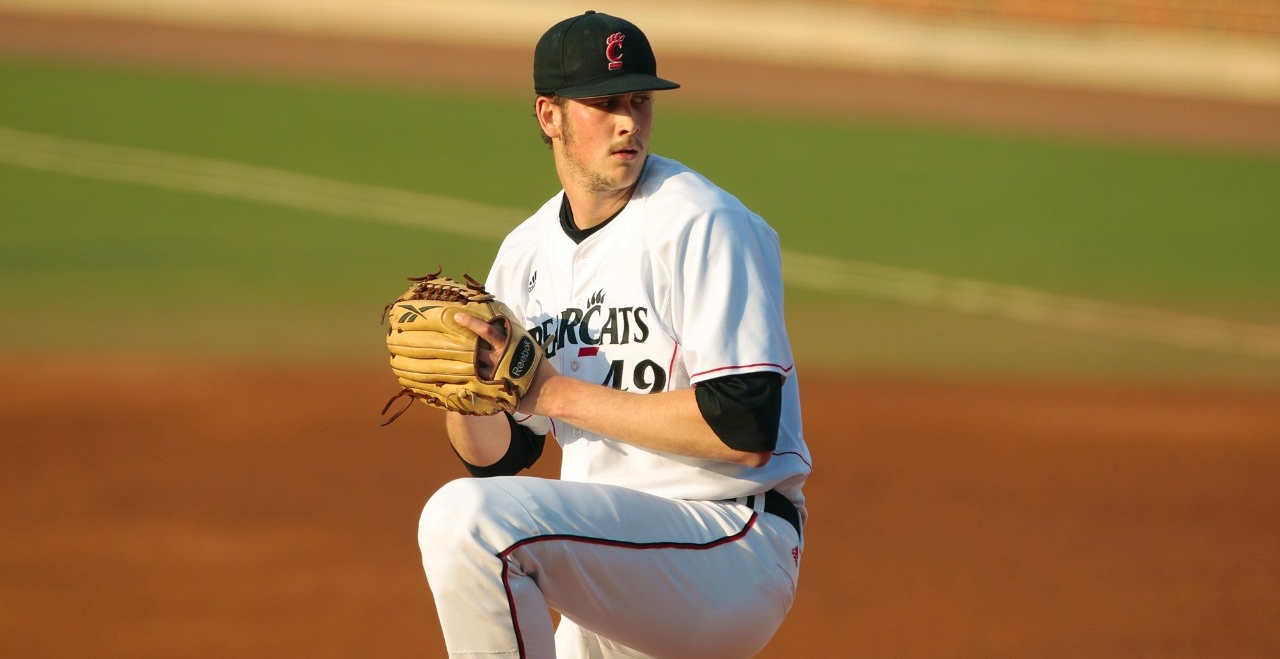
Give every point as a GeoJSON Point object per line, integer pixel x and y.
{"type": "Point", "coordinates": [1101, 171]}
{"type": "Point", "coordinates": [1030, 257]}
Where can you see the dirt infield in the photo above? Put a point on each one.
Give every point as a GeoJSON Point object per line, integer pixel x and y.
{"type": "Point", "coordinates": [185, 510]}
{"type": "Point", "coordinates": [192, 510]}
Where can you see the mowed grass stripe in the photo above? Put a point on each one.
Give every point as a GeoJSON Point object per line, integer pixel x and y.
{"type": "Point", "coordinates": [373, 203]}
{"type": "Point", "coordinates": [249, 182]}
{"type": "Point", "coordinates": [1031, 306]}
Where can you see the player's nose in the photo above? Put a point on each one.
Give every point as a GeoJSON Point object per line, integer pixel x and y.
{"type": "Point", "coordinates": [627, 117]}
{"type": "Point", "coordinates": [626, 123]}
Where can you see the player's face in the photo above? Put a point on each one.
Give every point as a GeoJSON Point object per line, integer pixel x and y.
{"type": "Point", "coordinates": [604, 141]}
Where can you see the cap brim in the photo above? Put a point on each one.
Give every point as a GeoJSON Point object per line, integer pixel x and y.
{"type": "Point", "coordinates": [627, 83]}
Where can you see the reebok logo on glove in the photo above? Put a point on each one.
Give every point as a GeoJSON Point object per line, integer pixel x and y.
{"type": "Point", "coordinates": [524, 358]}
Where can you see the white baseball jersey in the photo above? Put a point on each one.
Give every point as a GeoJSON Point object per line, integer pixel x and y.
{"type": "Point", "coordinates": [642, 553]}
{"type": "Point", "coordinates": [683, 285]}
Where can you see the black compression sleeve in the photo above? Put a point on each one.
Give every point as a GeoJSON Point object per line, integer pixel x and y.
{"type": "Point", "coordinates": [743, 410]}
{"type": "Point", "coordinates": [526, 447]}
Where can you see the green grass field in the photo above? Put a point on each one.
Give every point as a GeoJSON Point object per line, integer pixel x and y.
{"type": "Point", "coordinates": [93, 264]}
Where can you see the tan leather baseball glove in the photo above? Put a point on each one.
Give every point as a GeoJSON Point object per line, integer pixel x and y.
{"type": "Point", "coordinates": [437, 361]}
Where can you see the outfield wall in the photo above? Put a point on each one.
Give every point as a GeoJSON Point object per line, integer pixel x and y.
{"type": "Point", "coordinates": [1228, 54]}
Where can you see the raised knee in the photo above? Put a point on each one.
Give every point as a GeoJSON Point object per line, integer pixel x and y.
{"type": "Point", "coordinates": [450, 512]}
{"type": "Point", "coordinates": [469, 514]}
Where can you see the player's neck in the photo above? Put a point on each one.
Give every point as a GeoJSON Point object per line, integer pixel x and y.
{"type": "Point", "coordinates": [590, 209]}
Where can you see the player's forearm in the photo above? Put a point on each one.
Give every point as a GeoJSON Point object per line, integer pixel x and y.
{"type": "Point", "coordinates": [669, 421]}
{"type": "Point", "coordinates": [479, 440]}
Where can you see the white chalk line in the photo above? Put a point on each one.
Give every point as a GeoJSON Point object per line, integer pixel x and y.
{"type": "Point", "coordinates": [235, 180]}
{"type": "Point", "coordinates": [1031, 306]}
{"type": "Point", "coordinates": [337, 198]}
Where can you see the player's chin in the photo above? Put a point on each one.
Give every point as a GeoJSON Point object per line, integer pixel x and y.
{"type": "Point", "coordinates": [626, 171]}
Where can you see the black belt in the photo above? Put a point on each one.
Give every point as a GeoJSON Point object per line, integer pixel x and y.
{"type": "Point", "coordinates": [777, 503]}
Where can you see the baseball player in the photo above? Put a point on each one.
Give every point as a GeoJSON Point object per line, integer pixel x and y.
{"type": "Point", "coordinates": [675, 529]}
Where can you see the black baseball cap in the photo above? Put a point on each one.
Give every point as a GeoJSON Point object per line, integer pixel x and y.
{"type": "Point", "coordinates": [595, 55]}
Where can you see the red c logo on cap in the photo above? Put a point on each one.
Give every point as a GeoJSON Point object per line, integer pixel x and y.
{"type": "Point", "coordinates": [613, 50]}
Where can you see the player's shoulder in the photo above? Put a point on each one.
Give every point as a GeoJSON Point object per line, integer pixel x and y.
{"type": "Point", "coordinates": [670, 182]}
{"type": "Point", "coordinates": [515, 261]}
{"type": "Point", "coordinates": [675, 194]}
{"type": "Point", "coordinates": [526, 234]}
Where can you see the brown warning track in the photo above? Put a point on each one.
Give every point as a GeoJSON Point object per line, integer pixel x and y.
{"type": "Point", "coordinates": [915, 98]}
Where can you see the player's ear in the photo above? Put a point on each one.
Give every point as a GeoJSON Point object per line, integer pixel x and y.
{"type": "Point", "coordinates": [549, 115]}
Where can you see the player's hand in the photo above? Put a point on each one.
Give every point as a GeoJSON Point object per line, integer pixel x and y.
{"type": "Point", "coordinates": [493, 341]}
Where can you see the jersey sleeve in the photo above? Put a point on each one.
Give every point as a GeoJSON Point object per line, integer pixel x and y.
{"type": "Point", "coordinates": [743, 409]}
{"type": "Point", "coordinates": [508, 281]}
{"type": "Point", "coordinates": [728, 301]}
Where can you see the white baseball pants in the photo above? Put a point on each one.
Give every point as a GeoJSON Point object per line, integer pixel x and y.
{"type": "Point", "coordinates": [632, 575]}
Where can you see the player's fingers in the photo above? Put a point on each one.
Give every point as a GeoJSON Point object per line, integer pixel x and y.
{"type": "Point", "coordinates": [492, 342]}
{"type": "Point", "coordinates": [494, 335]}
